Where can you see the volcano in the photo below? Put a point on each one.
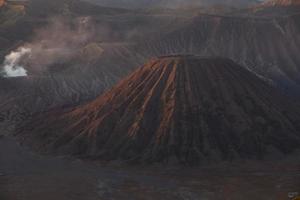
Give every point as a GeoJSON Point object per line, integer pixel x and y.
{"type": "Point", "coordinates": [183, 109]}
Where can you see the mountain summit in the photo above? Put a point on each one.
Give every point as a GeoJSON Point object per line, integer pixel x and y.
{"type": "Point", "coordinates": [184, 109]}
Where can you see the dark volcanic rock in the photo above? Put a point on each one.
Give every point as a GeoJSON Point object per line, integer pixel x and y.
{"type": "Point", "coordinates": [269, 47]}
{"type": "Point", "coordinates": [183, 108]}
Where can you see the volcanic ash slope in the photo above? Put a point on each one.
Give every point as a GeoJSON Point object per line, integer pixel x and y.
{"type": "Point", "coordinates": [183, 109]}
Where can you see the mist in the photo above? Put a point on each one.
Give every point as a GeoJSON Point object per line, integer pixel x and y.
{"type": "Point", "coordinates": [53, 45]}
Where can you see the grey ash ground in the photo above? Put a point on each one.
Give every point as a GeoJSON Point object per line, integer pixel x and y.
{"type": "Point", "coordinates": [28, 176]}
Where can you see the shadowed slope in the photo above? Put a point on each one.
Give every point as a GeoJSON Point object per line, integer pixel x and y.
{"type": "Point", "coordinates": [179, 108]}
{"type": "Point", "coordinates": [266, 46]}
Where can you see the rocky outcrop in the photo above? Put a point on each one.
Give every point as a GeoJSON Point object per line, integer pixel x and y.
{"type": "Point", "coordinates": [184, 109]}
{"type": "Point", "coordinates": [2, 3]}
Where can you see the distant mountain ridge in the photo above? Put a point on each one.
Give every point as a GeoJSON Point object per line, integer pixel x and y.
{"type": "Point", "coordinates": [282, 3]}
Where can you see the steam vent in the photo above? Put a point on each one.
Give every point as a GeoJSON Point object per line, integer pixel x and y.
{"type": "Point", "coordinates": [176, 109]}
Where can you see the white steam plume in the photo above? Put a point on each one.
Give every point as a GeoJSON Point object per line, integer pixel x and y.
{"type": "Point", "coordinates": [55, 45]}
{"type": "Point", "coordinates": [12, 66]}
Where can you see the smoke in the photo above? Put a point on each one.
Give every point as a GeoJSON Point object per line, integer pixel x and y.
{"type": "Point", "coordinates": [52, 46]}
{"type": "Point", "coordinates": [12, 64]}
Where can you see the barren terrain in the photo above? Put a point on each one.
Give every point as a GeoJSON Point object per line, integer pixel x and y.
{"type": "Point", "coordinates": [26, 175]}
